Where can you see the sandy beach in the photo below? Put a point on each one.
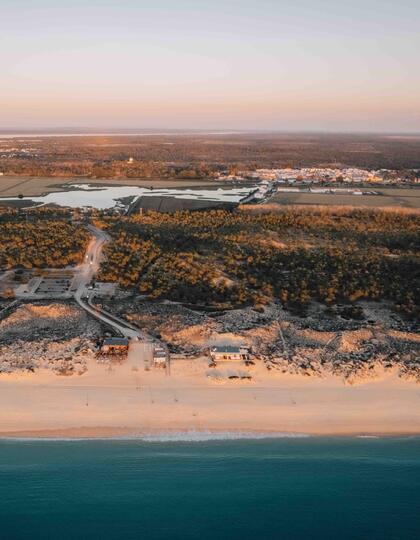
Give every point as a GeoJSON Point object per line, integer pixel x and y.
{"type": "Point", "coordinates": [127, 401]}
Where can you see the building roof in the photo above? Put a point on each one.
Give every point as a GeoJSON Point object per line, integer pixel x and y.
{"type": "Point", "coordinates": [116, 341]}
{"type": "Point", "coordinates": [227, 349]}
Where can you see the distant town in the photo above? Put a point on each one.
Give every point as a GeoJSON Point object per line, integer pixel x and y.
{"type": "Point", "coordinates": [316, 175]}
{"type": "Point", "coordinates": [315, 158]}
{"type": "Point", "coordinates": [157, 267]}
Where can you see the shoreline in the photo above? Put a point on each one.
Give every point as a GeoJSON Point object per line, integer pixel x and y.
{"type": "Point", "coordinates": [128, 434]}
{"type": "Point", "coordinates": [41, 186]}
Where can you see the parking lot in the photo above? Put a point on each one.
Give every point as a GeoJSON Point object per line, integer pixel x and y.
{"type": "Point", "coordinates": [54, 286]}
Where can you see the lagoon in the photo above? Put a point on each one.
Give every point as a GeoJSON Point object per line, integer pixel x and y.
{"type": "Point", "coordinates": [103, 197]}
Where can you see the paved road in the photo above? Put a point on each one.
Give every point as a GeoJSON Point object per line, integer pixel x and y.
{"type": "Point", "coordinates": [86, 272]}
{"type": "Point", "coordinates": [83, 275]}
{"type": "Point", "coordinates": [92, 260]}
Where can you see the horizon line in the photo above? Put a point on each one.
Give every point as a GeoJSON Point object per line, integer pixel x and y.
{"type": "Point", "coordinates": [130, 131]}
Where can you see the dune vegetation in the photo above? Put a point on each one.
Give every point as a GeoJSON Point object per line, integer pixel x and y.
{"type": "Point", "coordinates": [39, 239]}
{"type": "Point", "coordinates": [253, 255]}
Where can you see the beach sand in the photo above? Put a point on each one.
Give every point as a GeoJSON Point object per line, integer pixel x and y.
{"type": "Point", "coordinates": [125, 401]}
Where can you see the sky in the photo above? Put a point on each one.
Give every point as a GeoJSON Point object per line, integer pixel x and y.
{"type": "Point", "coordinates": [288, 65]}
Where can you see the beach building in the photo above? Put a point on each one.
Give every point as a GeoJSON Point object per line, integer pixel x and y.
{"type": "Point", "coordinates": [115, 345]}
{"type": "Point", "coordinates": [160, 356]}
{"type": "Point", "coordinates": [229, 353]}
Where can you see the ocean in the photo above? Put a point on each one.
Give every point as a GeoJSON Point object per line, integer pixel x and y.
{"type": "Point", "coordinates": [157, 489]}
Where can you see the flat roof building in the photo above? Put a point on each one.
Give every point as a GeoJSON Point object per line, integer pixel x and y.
{"type": "Point", "coordinates": [229, 353]}
{"type": "Point", "coordinates": [115, 345]}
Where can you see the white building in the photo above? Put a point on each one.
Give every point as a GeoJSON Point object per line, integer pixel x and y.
{"type": "Point", "coordinates": [229, 353]}
{"type": "Point", "coordinates": [160, 356]}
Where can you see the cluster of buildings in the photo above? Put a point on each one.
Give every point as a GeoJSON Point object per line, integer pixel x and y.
{"type": "Point", "coordinates": [119, 346]}
{"type": "Point", "coordinates": [314, 175]}
{"type": "Point", "coordinates": [17, 152]}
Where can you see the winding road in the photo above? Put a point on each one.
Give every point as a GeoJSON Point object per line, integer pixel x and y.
{"type": "Point", "coordinates": [86, 271]}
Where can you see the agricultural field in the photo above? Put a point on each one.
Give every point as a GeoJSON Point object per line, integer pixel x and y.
{"type": "Point", "coordinates": [387, 197]}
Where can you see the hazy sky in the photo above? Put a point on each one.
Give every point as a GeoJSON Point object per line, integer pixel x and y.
{"type": "Point", "coordinates": [266, 64]}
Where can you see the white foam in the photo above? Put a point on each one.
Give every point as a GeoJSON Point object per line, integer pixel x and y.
{"type": "Point", "coordinates": [202, 436]}
{"type": "Point", "coordinates": [170, 436]}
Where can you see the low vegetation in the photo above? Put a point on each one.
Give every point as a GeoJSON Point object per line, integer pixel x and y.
{"type": "Point", "coordinates": [39, 238]}
{"type": "Point", "coordinates": [198, 156]}
{"type": "Point", "coordinates": [253, 255]}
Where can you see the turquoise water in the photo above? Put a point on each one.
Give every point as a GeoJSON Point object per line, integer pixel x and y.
{"type": "Point", "coordinates": [314, 488]}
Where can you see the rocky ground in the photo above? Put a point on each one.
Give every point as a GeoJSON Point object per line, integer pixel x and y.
{"type": "Point", "coordinates": [353, 343]}
{"type": "Point", "coordinates": [57, 336]}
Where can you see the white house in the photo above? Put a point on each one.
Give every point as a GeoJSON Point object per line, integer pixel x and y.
{"type": "Point", "coordinates": [229, 353]}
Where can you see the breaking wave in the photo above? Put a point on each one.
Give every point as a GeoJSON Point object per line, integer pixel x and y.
{"type": "Point", "coordinates": [202, 436]}
{"type": "Point", "coordinates": [172, 436]}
